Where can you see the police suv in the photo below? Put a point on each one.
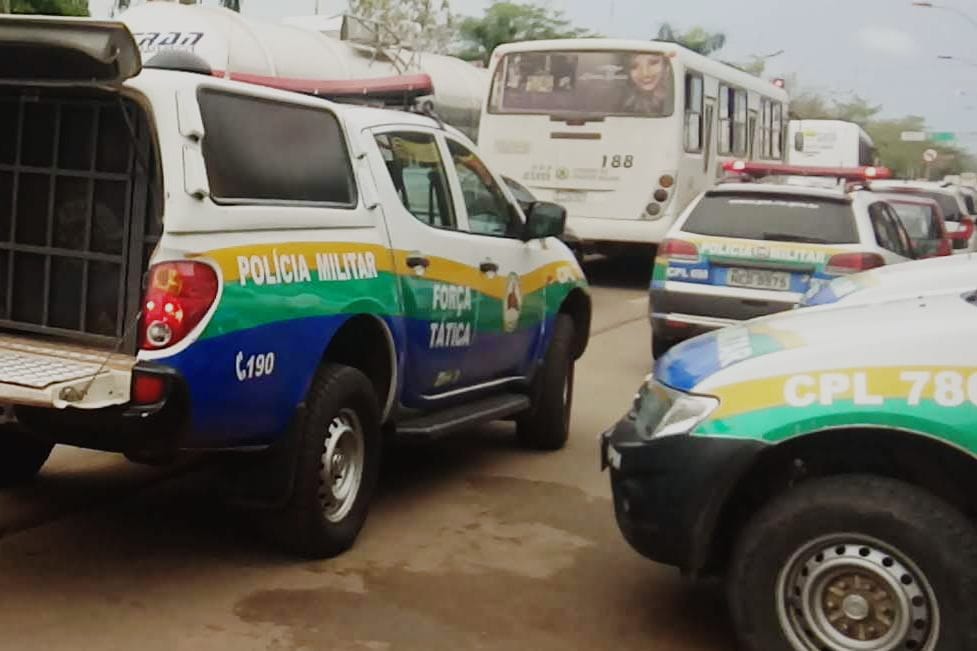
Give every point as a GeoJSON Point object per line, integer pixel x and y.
{"type": "Point", "coordinates": [746, 249]}
{"type": "Point", "coordinates": [825, 461]}
{"type": "Point", "coordinates": [192, 263]}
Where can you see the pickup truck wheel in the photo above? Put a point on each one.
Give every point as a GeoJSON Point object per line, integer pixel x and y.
{"type": "Point", "coordinates": [337, 466]}
{"type": "Point", "coordinates": [547, 425]}
{"type": "Point", "coordinates": [855, 562]}
{"type": "Point", "coordinates": [21, 456]}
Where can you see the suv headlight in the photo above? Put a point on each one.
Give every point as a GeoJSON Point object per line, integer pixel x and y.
{"type": "Point", "coordinates": [685, 414]}
{"type": "Point", "coordinates": [660, 410]}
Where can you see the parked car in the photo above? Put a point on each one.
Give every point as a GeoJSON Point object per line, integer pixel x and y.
{"type": "Point", "coordinates": [924, 223]}
{"type": "Point", "coordinates": [745, 249]}
{"type": "Point", "coordinates": [953, 202]}
{"type": "Point", "coordinates": [312, 277]}
{"type": "Point", "coordinates": [822, 461]}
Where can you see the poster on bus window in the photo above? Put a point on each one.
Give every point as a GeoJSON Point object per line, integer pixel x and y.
{"type": "Point", "coordinates": [591, 84]}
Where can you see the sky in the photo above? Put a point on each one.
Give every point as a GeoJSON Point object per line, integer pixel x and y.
{"type": "Point", "coordinates": [883, 50]}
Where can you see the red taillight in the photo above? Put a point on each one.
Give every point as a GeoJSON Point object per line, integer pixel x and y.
{"type": "Point", "coordinates": [966, 230]}
{"type": "Point", "coordinates": [678, 250]}
{"type": "Point", "coordinates": [147, 389]}
{"type": "Point", "coordinates": [178, 297]}
{"type": "Point", "coordinates": [847, 263]}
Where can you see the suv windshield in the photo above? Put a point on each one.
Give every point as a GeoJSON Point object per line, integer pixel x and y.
{"type": "Point", "coordinates": [584, 84]}
{"type": "Point", "coordinates": [780, 217]}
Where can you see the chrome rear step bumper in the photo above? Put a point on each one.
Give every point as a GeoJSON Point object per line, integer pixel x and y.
{"type": "Point", "coordinates": [43, 374]}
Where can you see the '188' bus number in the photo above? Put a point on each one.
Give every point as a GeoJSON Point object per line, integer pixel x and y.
{"type": "Point", "coordinates": [617, 160]}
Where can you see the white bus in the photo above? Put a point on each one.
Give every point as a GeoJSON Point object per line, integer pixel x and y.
{"type": "Point", "coordinates": [829, 143]}
{"type": "Point", "coordinates": [623, 133]}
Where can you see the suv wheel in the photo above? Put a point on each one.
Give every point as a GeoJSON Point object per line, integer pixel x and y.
{"type": "Point", "coordinates": [547, 425]}
{"type": "Point", "coordinates": [337, 466]}
{"type": "Point", "coordinates": [855, 562]}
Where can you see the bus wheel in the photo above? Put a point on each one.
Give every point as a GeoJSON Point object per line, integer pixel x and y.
{"type": "Point", "coordinates": [337, 466]}
{"type": "Point", "coordinates": [854, 562]}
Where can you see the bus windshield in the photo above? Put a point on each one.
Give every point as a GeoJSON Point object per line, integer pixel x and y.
{"type": "Point", "coordinates": [584, 84]}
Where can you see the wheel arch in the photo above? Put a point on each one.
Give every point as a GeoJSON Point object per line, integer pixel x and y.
{"type": "Point", "coordinates": [365, 342]}
{"type": "Point", "coordinates": [577, 305]}
{"type": "Point", "coordinates": [929, 463]}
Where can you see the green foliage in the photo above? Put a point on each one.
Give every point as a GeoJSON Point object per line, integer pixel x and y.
{"type": "Point", "coordinates": [696, 39]}
{"type": "Point", "coordinates": [50, 7]}
{"type": "Point", "coordinates": [508, 22]}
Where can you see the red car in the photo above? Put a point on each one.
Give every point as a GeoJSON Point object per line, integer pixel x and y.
{"type": "Point", "coordinates": [923, 219]}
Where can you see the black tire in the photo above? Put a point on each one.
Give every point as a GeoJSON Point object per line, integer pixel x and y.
{"type": "Point", "coordinates": [922, 546]}
{"type": "Point", "coordinates": [547, 425]}
{"type": "Point", "coordinates": [310, 525]}
{"type": "Point", "coordinates": [21, 456]}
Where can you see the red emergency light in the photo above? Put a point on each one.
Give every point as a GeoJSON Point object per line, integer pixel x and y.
{"type": "Point", "coordinates": [378, 88]}
{"type": "Point", "coordinates": [759, 170]}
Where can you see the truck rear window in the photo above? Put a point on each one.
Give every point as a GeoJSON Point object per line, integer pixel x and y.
{"type": "Point", "coordinates": [261, 150]}
{"type": "Point", "coordinates": [770, 217]}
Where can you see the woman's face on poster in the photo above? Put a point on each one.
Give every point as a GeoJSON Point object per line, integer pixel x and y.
{"type": "Point", "coordinates": [647, 71]}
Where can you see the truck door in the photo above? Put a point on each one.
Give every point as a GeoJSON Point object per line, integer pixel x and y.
{"type": "Point", "coordinates": [429, 259]}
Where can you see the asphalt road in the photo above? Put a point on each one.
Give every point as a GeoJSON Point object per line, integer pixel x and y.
{"type": "Point", "coordinates": [472, 544]}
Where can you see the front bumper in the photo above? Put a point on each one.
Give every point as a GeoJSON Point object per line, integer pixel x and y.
{"type": "Point", "coordinates": [669, 492]}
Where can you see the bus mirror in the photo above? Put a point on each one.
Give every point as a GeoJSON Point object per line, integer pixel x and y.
{"type": "Point", "coordinates": [544, 219]}
{"type": "Point", "coordinates": [799, 141]}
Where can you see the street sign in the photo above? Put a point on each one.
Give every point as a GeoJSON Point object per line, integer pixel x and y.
{"type": "Point", "coordinates": [943, 136]}
{"type": "Point", "coordinates": [930, 155]}
{"type": "Point", "coordinates": [913, 136]}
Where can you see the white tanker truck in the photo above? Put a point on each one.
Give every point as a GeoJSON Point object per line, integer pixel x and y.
{"type": "Point", "coordinates": [337, 57]}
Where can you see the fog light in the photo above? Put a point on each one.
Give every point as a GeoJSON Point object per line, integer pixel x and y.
{"type": "Point", "coordinates": [661, 195]}
{"type": "Point", "coordinates": [666, 181]}
{"type": "Point", "coordinates": [653, 209]}
{"type": "Point", "coordinates": [159, 334]}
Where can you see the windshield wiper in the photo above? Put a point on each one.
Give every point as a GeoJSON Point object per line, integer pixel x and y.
{"type": "Point", "coordinates": [788, 237]}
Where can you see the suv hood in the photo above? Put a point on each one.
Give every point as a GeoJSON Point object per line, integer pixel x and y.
{"type": "Point", "coordinates": [66, 51]}
{"type": "Point", "coordinates": [903, 280]}
{"type": "Point", "coordinates": [832, 337]}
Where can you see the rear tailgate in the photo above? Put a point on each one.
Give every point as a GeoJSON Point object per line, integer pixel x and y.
{"type": "Point", "coordinates": [45, 374]}
{"type": "Point", "coordinates": [751, 264]}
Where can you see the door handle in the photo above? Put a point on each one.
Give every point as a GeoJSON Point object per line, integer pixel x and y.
{"type": "Point", "coordinates": [417, 260]}
{"type": "Point", "coordinates": [488, 267]}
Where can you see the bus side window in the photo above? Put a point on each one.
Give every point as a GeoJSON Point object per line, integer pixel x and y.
{"type": "Point", "coordinates": [725, 120]}
{"type": "Point", "coordinates": [739, 123]}
{"type": "Point", "coordinates": [778, 131]}
{"type": "Point", "coordinates": [693, 113]}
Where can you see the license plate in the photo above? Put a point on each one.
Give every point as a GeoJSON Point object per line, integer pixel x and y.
{"type": "Point", "coordinates": [570, 196]}
{"type": "Point", "coordinates": [759, 279]}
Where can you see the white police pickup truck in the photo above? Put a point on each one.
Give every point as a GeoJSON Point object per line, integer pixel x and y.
{"type": "Point", "coordinates": [192, 263]}
{"type": "Point", "coordinates": [825, 462]}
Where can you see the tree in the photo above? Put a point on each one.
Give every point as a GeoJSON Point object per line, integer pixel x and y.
{"type": "Point", "coordinates": [696, 39]}
{"type": "Point", "coordinates": [424, 25]}
{"type": "Point", "coordinates": [507, 22]}
{"type": "Point", "coordinates": [50, 7]}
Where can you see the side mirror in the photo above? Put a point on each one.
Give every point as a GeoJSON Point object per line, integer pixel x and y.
{"type": "Point", "coordinates": [544, 219]}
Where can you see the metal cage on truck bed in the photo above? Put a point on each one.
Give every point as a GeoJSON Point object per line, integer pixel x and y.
{"type": "Point", "coordinates": [80, 213]}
